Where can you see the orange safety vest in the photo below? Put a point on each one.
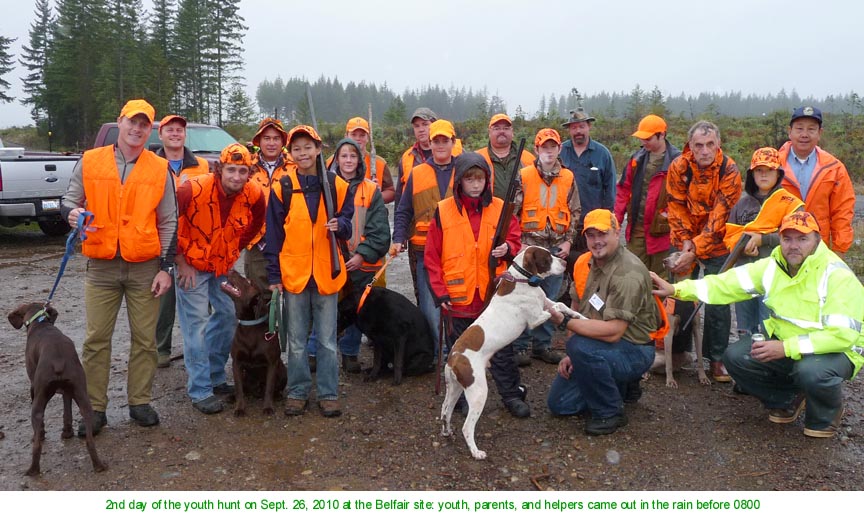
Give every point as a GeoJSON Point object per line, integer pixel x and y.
{"type": "Point", "coordinates": [580, 280]}
{"type": "Point", "coordinates": [204, 242]}
{"type": "Point", "coordinates": [775, 207]}
{"type": "Point", "coordinates": [305, 251]}
{"type": "Point", "coordinates": [190, 172]}
{"type": "Point", "coordinates": [526, 160]}
{"type": "Point", "coordinates": [362, 201]}
{"type": "Point", "coordinates": [259, 175]}
{"type": "Point", "coordinates": [545, 205]}
{"type": "Point", "coordinates": [464, 259]}
{"type": "Point", "coordinates": [409, 162]}
{"type": "Point", "coordinates": [425, 201]}
{"type": "Point", "coordinates": [124, 213]}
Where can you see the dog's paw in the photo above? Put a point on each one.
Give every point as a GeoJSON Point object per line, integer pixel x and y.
{"type": "Point", "coordinates": [33, 471]}
{"type": "Point", "coordinates": [670, 382]}
{"type": "Point", "coordinates": [100, 467]}
{"type": "Point", "coordinates": [478, 454]}
{"type": "Point", "coordinates": [67, 433]}
{"type": "Point", "coordinates": [703, 379]}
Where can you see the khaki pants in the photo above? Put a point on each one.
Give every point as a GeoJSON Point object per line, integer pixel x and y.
{"type": "Point", "coordinates": [654, 262]}
{"type": "Point", "coordinates": [106, 283]}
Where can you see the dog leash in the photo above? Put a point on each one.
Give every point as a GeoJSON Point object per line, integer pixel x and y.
{"type": "Point", "coordinates": [372, 283]}
{"type": "Point", "coordinates": [275, 320]}
{"type": "Point", "coordinates": [85, 219]}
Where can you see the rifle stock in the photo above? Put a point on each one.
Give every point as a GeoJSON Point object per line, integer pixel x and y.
{"type": "Point", "coordinates": [329, 206]}
{"type": "Point", "coordinates": [730, 261]}
{"type": "Point", "coordinates": [504, 221]}
{"type": "Point", "coordinates": [373, 159]}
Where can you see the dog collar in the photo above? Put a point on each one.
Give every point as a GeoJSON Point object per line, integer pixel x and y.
{"type": "Point", "coordinates": [533, 279]}
{"type": "Point", "coordinates": [255, 322]}
{"type": "Point", "coordinates": [37, 317]}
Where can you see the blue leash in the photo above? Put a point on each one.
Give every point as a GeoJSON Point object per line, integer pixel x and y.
{"type": "Point", "coordinates": [84, 220]}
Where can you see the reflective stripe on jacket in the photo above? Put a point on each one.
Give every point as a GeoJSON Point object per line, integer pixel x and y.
{"type": "Point", "coordinates": [545, 204]}
{"type": "Point", "coordinates": [204, 242]}
{"type": "Point", "coordinates": [124, 213]}
{"type": "Point", "coordinates": [426, 196]}
{"type": "Point", "coordinates": [464, 259]}
{"type": "Point", "coordinates": [817, 311]}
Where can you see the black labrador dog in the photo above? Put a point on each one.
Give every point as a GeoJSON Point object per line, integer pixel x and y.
{"type": "Point", "coordinates": [397, 329]}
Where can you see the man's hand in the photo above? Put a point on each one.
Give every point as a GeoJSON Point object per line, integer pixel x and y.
{"type": "Point", "coordinates": [354, 262]}
{"type": "Point", "coordinates": [161, 283]}
{"type": "Point", "coordinates": [500, 251]}
{"type": "Point", "coordinates": [564, 250]}
{"type": "Point", "coordinates": [767, 351]}
{"type": "Point", "coordinates": [72, 219]}
{"type": "Point", "coordinates": [396, 248]}
{"type": "Point", "coordinates": [185, 274]}
{"type": "Point", "coordinates": [662, 287]}
{"type": "Point", "coordinates": [685, 261]}
{"type": "Point", "coordinates": [565, 367]}
{"type": "Point", "coordinates": [332, 225]}
{"type": "Point", "coordinates": [556, 316]}
{"type": "Point", "coordinates": [275, 286]}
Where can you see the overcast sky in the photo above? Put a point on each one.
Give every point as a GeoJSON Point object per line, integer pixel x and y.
{"type": "Point", "coordinates": [524, 49]}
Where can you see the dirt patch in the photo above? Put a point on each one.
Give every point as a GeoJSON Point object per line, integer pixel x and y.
{"type": "Point", "coordinates": [389, 438]}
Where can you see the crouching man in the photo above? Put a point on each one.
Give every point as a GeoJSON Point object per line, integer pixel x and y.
{"type": "Point", "coordinates": [814, 341]}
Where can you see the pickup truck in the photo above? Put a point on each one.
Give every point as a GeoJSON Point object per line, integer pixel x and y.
{"type": "Point", "coordinates": [31, 185]}
{"type": "Point", "coordinates": [206, 141]}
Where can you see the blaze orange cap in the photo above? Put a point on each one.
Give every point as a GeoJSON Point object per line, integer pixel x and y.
{"type": "Point", "coordinates": [649, 126]}
{"type": "Point", "coordinates": [768, 157]}
{"type": "Point", "coordinates": [303, 129]}
{"type": "Point", "coordinates": [547, 134]}
{"type": "Point", "coordinates": [236, 153]}
{"type": "Point", "coordinates": [600, 219]}
{"type": "Point", "coordinates": [135, 107]}
{"type": "Point", "coordinates": [500, 117]}
{"type": "Point", "coordinates": [266, 123]}
{"type": "Point", "coordinates": [357, 124]}
{"type": "Point", "coordinates": [169, 118]}
{"type": "Point", "coordinates": [442, 127]}
{"type": "Point", "coordinates": [801, 221]}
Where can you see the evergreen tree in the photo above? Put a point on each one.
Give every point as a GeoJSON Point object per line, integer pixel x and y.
{"type": "Point", "coordinates": [34, 58]}
{"type": "Point", "coordinates": [396, 113]}
{"type": "Point", "coordinates": [656, 103]}
{"type": "Point", "coordinates": [159, 67]}
{"type": "Point", "coordinates": [192, 43]}
{"type": "Point", "coordinates": [240, 109]}
{"type": "Point", "coordinates": [5, 67]}
{"type": "Point", "coordinates": [120, 73]}
{"type": "Point", "coordinates": [225, 55]}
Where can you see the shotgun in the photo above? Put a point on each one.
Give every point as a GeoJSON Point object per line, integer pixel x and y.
{"type": "Point", "coordinates": [504, 221]}
{"type": "Point", "coordinates": [329, 206]}
{"type": "Point", "coordinates": [373, 162]}
{"type": "Point", "coordinates": [728, 264]}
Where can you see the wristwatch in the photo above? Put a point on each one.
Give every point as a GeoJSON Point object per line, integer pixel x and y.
{"type": "Point", "coordinates": [166, 265]}
{"type": "Point", "coordinates": [563, 325]}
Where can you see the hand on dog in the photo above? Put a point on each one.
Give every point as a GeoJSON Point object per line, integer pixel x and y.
{"type": "Point", "coordinates": [685, 260]}
{"type": "Point", "coordinates": [563, 250]}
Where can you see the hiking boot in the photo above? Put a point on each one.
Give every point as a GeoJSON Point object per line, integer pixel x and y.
{"type": "Point", "coordinates": [350, 364]}
{"type": "Point", "coordinates": [163, 361]}
{"type": "Point", "coordinates": [547, 355]}
{"type": "Point", "coordinates": [518, 408]}
{"type": "Point", "coordinates": [829, 431]}
{"type": "Point", "coordinates": [790, 413]}
{"type": "Point", "coordinates": [294, 407]}
{"type": "Point", "coordinates": [209, 406]}
{"type": "Point", "coordinates": [330, 407]}
{"type": "Point", "coordinates": [313, 363]}
{"type": "Point", "coordinates": [607, 426]}
{"type": "Point", "coordinates": [144, 415]}
{"type": "Point", "coordinates": [633, 393]}
{"type": "Point", "coordinates": [522, 359]}
{"type": "Point", "coordinates": [100, 420]}
{"type": "Point", "coordinates": [719, 372]}
{"type": "Point", "coordinates": [223, 389]}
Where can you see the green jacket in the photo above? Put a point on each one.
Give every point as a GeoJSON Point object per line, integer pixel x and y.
{"type": "Point", "coordinates": [818, 311]}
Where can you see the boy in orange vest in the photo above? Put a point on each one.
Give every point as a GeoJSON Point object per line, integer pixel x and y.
{"type": "Point", "coordinates": [218, 215]}
{"type": "Point", "coordinates": [300, 266]}
{"type": "Point", "coordinates": [459, 279]}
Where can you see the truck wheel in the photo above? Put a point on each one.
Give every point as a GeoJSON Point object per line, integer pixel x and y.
{"type": "Point", "coordinates": [54, 227]}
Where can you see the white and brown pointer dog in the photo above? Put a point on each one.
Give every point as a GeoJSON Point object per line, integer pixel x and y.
{"type": "Point", "coordinates": [518, 303]}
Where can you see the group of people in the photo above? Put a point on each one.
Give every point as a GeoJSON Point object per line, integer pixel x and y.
{"type": "Point", "coordinates": [167, 231]}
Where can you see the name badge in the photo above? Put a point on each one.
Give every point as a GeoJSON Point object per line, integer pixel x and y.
{"type": "Point", "coordinates": [596, 302]}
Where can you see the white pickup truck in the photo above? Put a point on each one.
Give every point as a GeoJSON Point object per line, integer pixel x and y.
{"type": "Point", "coordinates": [31, 185]}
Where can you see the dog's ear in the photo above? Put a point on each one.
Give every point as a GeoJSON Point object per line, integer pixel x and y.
{"type": "Point", "coordinates": [537, 260]}
{"type": "Point", "coordinates": [52, 313]}
{"type": "Point", "coordinates": [16, 317]}
{"type": "Point", "coordinates": [528, 261]}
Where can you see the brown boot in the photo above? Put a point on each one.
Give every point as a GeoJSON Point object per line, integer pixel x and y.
{"type": "Point", "coordinates": [330, 407]}
{"type": "Point", "coordinates": [719, 372]}
{"type": "Point", "coordinates": [350, 364]}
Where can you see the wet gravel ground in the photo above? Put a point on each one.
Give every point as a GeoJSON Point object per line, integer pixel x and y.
{"type": "Point", "coordinates": [388, 438]}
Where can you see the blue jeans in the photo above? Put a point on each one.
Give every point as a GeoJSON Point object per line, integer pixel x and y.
{"type": "Point", "coordinates": [206, 336]}
{"type": "Point", "coordinates": [601, 373]}
{"type": "Point", "coordinates": [349, 344]}
{"type": "Point", "coordinates": [427, 302]}
{"type": "Point", "coordinates": [298, 309]}
{"type": "Point", "coordinates": [750, 315]}
{"type": "Point", "coordinates": [542, 334]}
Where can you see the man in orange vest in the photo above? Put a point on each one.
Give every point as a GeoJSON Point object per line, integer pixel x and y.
{"type": "Point", "coordinates": [358, 130]}
{"type": "Point", "coordinates": [219, 214]}
{"type": "Point", "coordinates": [459, 279]}
{"type": "Point", "coordinates": [300, 266]}
{"type": "Point", "coordinates": [130, 246]}
{"type": "Point", "coordinates": [183, 165]}
{"type": "Point", "coordinates": [819, 179]}
{"type": "Point", "coordinates": [428, 184]}
{"type": "Point", "coordinates": [610, 350]}
{"type": "Point", "coordinates": [500, 153]}
{"type": "Point", "coordinates": [270, 163]}
{"type": "Point", "coordinates": [549, 208]}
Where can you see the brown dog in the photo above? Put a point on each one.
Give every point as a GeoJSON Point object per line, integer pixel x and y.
{"type": "Point", "coordinates": [256, 358]}
{"type": "Point", "coordinates": [53, 366]}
